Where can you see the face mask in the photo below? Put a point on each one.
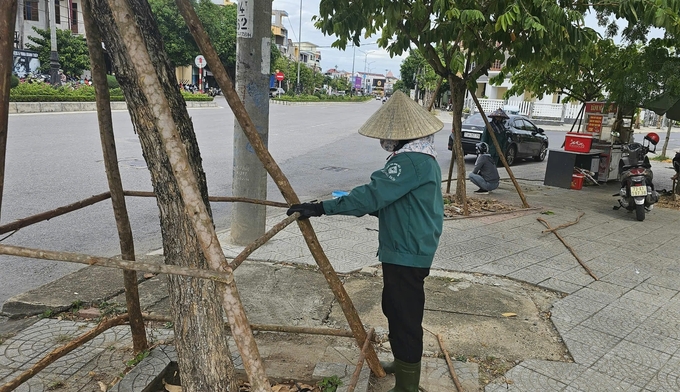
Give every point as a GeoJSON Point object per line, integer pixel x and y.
{"type": "Point", "coordinates": [388, 145]}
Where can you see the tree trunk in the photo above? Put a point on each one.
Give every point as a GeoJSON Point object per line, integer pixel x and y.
{"type": "Point", "coordinates": [457, 86]}
{"type": "Point", "coordinates": [668, 136]}
{"type": "Point", "coordinates": [204, 359]}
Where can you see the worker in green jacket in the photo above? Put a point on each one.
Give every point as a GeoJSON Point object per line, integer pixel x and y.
{"type": "Point", "coordinates": [406, 197]}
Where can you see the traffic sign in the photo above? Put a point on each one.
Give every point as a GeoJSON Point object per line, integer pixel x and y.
{"type": "Point", "coordinates": [279, 76]}
{"type": "Point", "coordinates": [200, 61]}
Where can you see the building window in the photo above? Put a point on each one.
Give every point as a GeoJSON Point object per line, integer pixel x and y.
{"type": "Point", "coordinates": [74, 18]}
{"type": "Point", "coordinates": [31, 10]}
{"type": "Point", "coordinates": [57, 12]}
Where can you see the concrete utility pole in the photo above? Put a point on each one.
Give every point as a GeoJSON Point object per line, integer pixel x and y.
{"type": "Point", "coordinates": [8, 11]}
{"type": "Point", "coordinates": [55, 79]}
{"type": "Point", "coordinates": [253, 51]}
{"type": "Point", "coordinates": [298, 86]}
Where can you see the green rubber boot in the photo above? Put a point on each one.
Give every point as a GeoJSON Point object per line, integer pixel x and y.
{"type": "Point", "coordinates": [387, 366]}
{"type": "Point", "coordinates": [407, 376]}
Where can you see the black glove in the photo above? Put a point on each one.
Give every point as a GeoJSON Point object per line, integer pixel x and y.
{"type": "Point", "coordinates": [306, 210]}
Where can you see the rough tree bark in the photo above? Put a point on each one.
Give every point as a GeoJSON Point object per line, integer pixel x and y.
{"type": "Point", "coordinates": [204, 359]}
{"type": "Point", "coordinates": [458, 89]}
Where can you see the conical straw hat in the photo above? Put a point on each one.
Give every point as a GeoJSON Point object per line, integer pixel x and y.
{"type": "Point", "coordinates": [401, 118]}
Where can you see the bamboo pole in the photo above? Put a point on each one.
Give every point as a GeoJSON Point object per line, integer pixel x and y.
{"type": "Point", "coordinates": [218, 199]}
{"type": "Point", "coordinates": [216, 67]}
{"type": "Point", "coordinates": [63, 350]}
{"type": "Point", "coordinates": [108, 141]}
{"type": "Point", "coordinates": [188, 186]}
{"type": "Point", "coordinates": [8, 11]}
{"type": "Point", "coordinates": [343, 333]}
{"type": "Point", "coordinates": [47, 215]}
{"type": "Point", "coordinates": [80, 258]}
{"type": "Point", "coordinates": [550, 229]}
{"type": "Point", "coordinates": [253, 246]}
{"type": "Point", "coordinates": [501, 152]}
{"type": "Point", "coordinates": [564, 225]}
{"type": "Point", "coordinates": [360, 363]}
{"type": "Point", "coordinates": [436, 92]}
{"type": "Point", "coordinates": [456, 381]}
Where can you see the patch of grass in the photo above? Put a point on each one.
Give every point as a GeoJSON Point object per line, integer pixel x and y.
{"type": "Point", "coordinates": [62, 339]}
{"type": "Point", "coordinates": [76, 306]}
{"type": "Point", "coordinates": [329, 384]}
{"type": "Point", "coordinates": [47, 314]}
{"type": "Point", "coordinates": [137, 359]}
{"type": "Point", "coordinates": [661, 158]}
{"type": "Point", "coordinates": [54, 385]}
{"type": "Point", "coordinates": [108, 309]}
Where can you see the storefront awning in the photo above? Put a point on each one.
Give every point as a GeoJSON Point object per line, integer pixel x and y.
{"type": "Point", "coordinates": [665, 104]}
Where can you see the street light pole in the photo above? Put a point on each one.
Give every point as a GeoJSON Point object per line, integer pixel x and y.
{"type": "Point", "coordinates": [298, 87]}
{"type": "Point", "coordinates": [351, 79]}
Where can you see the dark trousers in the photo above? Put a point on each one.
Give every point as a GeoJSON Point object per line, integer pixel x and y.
{"type": "Point", "coordinates": [403, 303]}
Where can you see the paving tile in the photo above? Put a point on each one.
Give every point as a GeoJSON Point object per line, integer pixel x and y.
{"type": "Point", "coordinates": [577, 275]}
{"type": "Point", "coordinates": [593, 381]}
{"type": "Point", "coordinates": [634, 364]}
{"type": "Point", "coordinates": [660, 341]}
{"type": "Point", "coordinates": [587, 345]}
{"type": "Point", "coordinates": [615, 321]}
{"type": "Point", "coordinates": [533, 274]}
{"type": "Point", "coordinates": [668, 377]}
{"type": "Point", "coordinates": [560, 285]}
{"type": "Point", "coordinates": [526, 379]}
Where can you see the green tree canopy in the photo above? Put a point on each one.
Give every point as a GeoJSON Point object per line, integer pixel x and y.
{"type": "Point", "coordinates": [72, 49]}
{"type": "Point", "coordinates": [219, 22]}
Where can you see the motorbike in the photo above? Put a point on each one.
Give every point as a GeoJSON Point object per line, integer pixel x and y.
{"type": "Point", "coordinates": [637, 191]}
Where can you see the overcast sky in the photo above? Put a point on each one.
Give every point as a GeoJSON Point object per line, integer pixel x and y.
{"type": "Point", "coordinates": [368, 57]}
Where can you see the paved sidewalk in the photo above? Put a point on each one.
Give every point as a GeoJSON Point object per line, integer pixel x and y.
{"type": "Point", "coordinates": [621, 330]}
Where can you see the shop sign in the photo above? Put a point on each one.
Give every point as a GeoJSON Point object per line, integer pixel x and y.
{"type": "Point", "coordinates": [600, 107]}
{"type": "Point", "coordinates": [594, 123]}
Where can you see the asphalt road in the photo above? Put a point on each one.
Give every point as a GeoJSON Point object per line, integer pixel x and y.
{"type": "Point", "coordinates": [56, 159]}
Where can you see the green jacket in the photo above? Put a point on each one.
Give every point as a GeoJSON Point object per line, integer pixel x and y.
{"type": "Point", "coordinates": [407, 197]}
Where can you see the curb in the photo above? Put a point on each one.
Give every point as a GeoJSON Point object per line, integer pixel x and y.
{"type": "Point", "coordinates": [61, 107]}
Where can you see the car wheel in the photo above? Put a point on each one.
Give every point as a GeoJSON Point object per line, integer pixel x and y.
{"type": "Point", "coordinates": [511, 154]}
{"type": "Point", "coordinates": [542, 153]}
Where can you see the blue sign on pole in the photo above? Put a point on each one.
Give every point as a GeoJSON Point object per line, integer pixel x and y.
{"type": "Point", "coordinates": [272, 81]}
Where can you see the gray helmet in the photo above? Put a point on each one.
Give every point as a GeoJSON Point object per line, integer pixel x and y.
{"type": "Point", "coordinates": [482, 148]}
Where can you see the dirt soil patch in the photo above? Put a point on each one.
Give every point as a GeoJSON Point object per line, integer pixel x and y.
{"type": "Point", "coordinates": [476, 206]}
{"type": "Point", "coordinates": [667, 201]}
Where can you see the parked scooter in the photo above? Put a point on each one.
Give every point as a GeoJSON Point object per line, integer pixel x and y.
{"type": "Point", "coordinates": [637, 190]}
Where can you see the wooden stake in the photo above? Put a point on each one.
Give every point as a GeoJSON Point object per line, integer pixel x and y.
{"type": "Point", "coordinates": [47, 215]}
{"type": "Point", "coordinates": [456, 381]}
{"type": "Point", "coordinates": [564, 225]}
{"type": "Point", "coordinates": [252, 247]}
{"type": "Point", "coordinates": [79, 258]}
{"type": "Point", "coordinates": [63, 350]}
{"type": "Point", "coordinates": [360, 363]}
{"type": "Point", "coordinates": [217, 198]}
{"type": "Point", "coordinates": [108, 141]}
{"type": "Point", "coordinates": [546, 224]}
